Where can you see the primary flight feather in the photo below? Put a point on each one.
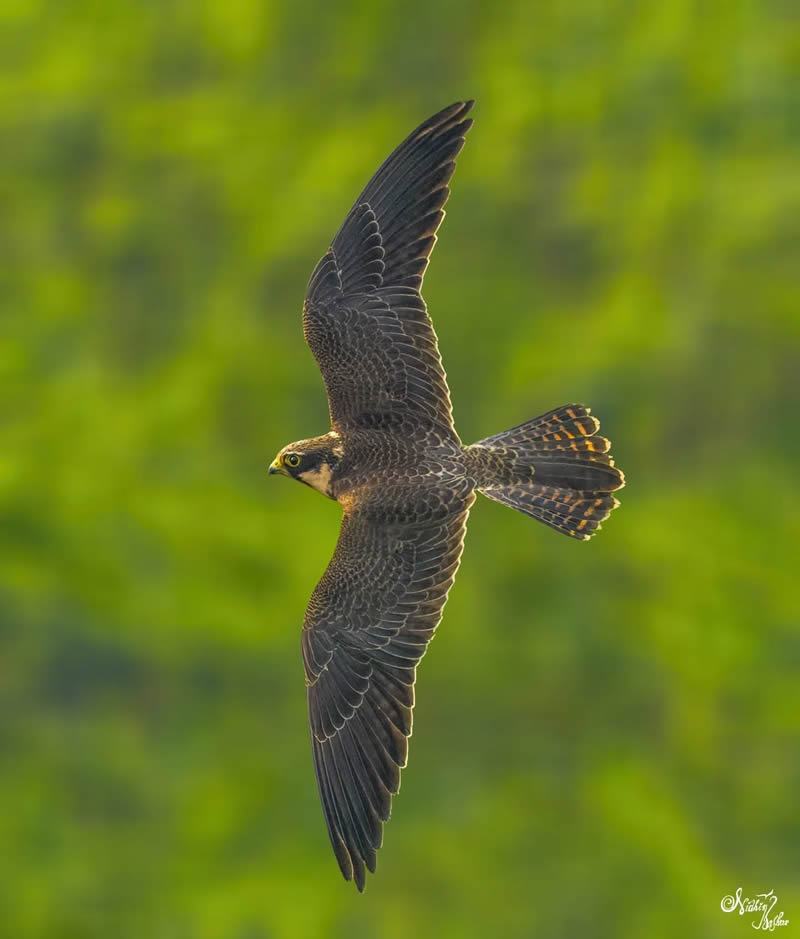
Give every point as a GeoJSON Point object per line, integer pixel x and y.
{"type": "Point", "coordinates": [396, 465]}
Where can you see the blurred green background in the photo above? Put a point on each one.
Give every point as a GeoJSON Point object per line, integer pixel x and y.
{"type": "Point", "coordinates": [606, 734]}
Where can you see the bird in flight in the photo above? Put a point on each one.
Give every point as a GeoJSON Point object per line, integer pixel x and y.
{"type": "Point", "coordinates": [405, 482]}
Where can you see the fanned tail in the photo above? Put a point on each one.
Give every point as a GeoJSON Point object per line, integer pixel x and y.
{"type": "Point", "coordinates": [554, 468]}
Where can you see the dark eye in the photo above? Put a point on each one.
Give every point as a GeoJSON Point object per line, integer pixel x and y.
{"type": "Point", "coordinates": [292, 460]}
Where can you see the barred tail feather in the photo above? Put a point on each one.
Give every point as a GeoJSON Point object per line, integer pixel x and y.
{"type": "Point", "coordinates": [580, 518]}
{"type": "Point", "coordinates": [571, 421]}
{"type": "Point", "coordinates": [553, 468]}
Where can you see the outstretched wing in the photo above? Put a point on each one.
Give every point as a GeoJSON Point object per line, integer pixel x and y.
{"type": "Point", "coordinates": [364, 317]}
{"type": "Point", "coordinates": [368, 624]}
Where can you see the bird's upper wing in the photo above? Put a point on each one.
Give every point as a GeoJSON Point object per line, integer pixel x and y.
{"type": "Point", "coordinates": [364, 317]}
{"type": "Point", "coordinates": [368, 624]}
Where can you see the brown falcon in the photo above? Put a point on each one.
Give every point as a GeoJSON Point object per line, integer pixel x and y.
{"type": "Point", "coordinates": [396, 465]}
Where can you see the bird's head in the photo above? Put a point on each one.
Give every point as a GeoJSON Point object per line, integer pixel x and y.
{"type": "Point", "coordinates": [312, 462]}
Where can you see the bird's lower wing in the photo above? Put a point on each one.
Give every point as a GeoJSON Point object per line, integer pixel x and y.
{"type": "Point", "coordinates": [368, 625]}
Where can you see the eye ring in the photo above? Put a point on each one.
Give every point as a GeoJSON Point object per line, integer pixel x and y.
{"type": "Point", "coordinates": [292, 460]}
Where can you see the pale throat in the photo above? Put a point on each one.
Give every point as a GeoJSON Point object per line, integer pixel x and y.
{"type": "Point", "coordinates": [319, 478]}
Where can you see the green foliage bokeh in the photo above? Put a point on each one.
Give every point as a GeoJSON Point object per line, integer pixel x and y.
{"type": "Point", "coordinates": [606, 734]}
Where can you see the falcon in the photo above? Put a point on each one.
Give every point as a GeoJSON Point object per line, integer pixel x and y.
{"type": "Point", "coordinates": [395, 463]}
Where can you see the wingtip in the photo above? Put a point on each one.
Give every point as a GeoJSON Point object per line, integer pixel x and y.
{"type": "Point", "coordinates": [359, 876]}
{"type": "Point", "coordinates": [357, 871]}
{"type": "Point", "coordinates": [466, 107]}
{"type": "Point", "coordinates": [452, 114]}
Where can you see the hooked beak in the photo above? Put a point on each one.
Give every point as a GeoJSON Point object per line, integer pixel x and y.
{"type": "Point", "coordinates": [275, 467]}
